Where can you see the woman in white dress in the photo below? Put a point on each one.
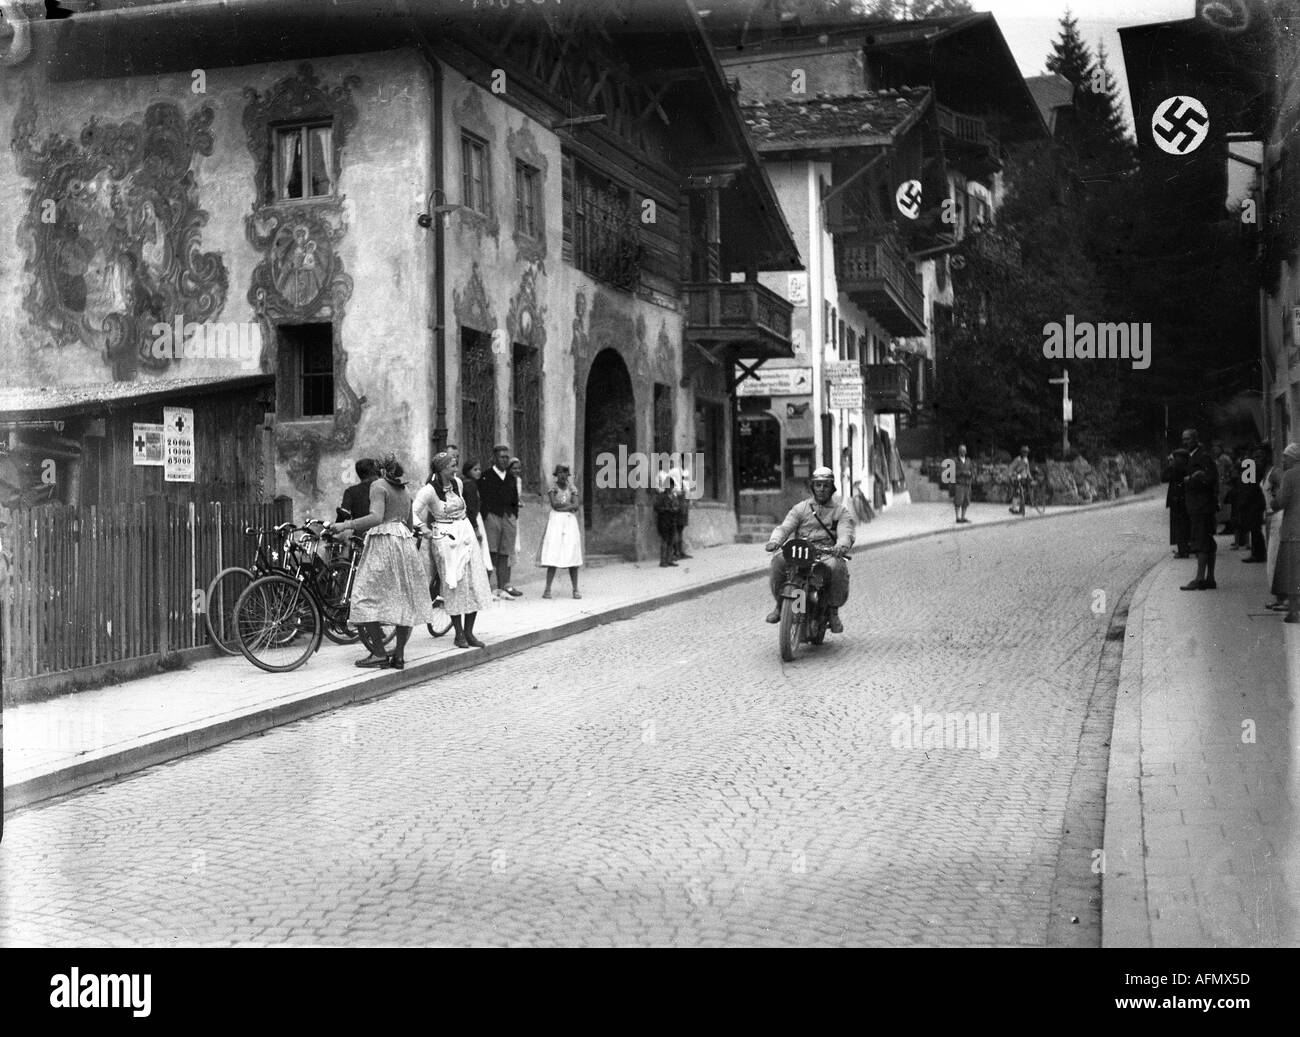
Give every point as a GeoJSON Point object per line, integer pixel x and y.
{"type": "Point", "coordinates": [439, 510]}
{"type": "Point", "coordinates": [562, 542]}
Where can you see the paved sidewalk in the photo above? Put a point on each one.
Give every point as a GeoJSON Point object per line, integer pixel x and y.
{"type": "Point", "coordinates": [1204, 783]}
{"type": "Point", "coordinates": [57, 746]}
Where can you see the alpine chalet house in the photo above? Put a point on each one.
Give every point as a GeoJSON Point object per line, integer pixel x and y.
{"type": "Point", "coordinates": [886, 142]}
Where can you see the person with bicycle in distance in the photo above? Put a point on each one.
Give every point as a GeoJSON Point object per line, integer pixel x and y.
{"type": "Point", "coordinates": [456, 558]}
{"type": "Point", "coordinates": [391, 585]}
{"type": "Point", "coordinates": [1021, 476]}
{"type": "Point", "coordinates": [825, 524]}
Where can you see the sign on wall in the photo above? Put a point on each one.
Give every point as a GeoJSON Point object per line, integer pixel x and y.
{"type": "Point", "coordinates": [777, 381]}
{"type": "Point", "coordinates": [178, 444]}
{"type": "Point", "coordinates": [797, 291]}
{"type": "Point", "coordinates": [845, 394]}
{"type": "Point", "coordinates": [146, 444]}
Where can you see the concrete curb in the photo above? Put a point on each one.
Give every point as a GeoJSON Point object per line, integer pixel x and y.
{"type": "Point", "coordinates": [96, 768]}
{"type": "Point", "coordinates": [1125, 918]}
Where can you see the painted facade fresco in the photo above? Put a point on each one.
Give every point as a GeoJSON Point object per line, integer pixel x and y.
{"type": "Point", "coordinates": [113, 233]}
{"type": "Point", "coordinates": [300, 278]}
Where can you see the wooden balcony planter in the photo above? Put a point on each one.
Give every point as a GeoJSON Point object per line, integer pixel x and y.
{"type": "Point", "coordinates": [744, 313]}
{"type": "Point", "coordinates": [876, 274]}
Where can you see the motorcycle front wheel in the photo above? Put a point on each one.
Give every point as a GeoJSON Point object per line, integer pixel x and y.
{"type": "Point", "coordinates": [791, 630]}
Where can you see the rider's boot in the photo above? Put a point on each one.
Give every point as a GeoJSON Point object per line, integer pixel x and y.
{"type": "Point", "coordinates": [836, 626]}
{"type": "Point", "coordinates": [775, 615]}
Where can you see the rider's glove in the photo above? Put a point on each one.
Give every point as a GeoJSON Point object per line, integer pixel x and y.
{"type": "Point", "coordinates": [769, 546]}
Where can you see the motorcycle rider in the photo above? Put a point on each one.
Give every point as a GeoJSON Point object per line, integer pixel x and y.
{"type": "Point", "coordinates": [828, 525]}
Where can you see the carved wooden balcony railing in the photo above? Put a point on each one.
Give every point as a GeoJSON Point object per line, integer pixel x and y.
{"type": "Point", "coordinates": [876, 274]}
{"type": "Point", "coordinates": [888, 388]}
{"type": "Point", "coordinates": [744, 313]}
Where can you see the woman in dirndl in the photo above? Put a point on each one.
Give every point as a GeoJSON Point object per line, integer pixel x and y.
{"type": "Point", "coordinates": [562, 542]}
{"type": "Point", "coordinates": [440, 510]}
{"type": "Point", "coordinates": [391, 586]}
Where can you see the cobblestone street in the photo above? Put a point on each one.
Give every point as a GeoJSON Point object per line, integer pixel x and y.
{"type": "Point", "coordinates": [662, 780]}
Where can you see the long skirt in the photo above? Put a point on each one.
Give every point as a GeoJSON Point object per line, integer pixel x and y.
{"type": "Point", "coordinates": [460, 568]}
{"type": "Point", "coordinates": [1286, 577]}
{"type": "Point", "coordinates": [391, 585]}
{"type": "Point", "coordinates": [562, 541]}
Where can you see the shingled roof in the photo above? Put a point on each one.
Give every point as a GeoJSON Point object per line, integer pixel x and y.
{"type": "Point", "coordinates": [61, 400]}
{"type": "Point", "coordinates": [860, 119]}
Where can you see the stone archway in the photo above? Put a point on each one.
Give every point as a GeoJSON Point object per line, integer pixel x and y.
{"type": "Point", "coordinates": [609, 427]}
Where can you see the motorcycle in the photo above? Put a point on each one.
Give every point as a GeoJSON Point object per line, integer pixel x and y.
{"type": "Point", "coordinates": [805, 596]}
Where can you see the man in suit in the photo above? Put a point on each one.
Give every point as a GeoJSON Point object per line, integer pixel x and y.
{"type": "Point", "coordinates": [499, 499]}
{"type": "Point", "coordinates": [1202, 494]}
{"type": "Point", "coordinates": [356, 498]}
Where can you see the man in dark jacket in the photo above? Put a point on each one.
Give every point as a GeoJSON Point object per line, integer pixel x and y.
{"type": "Point", "coordinates": [356, 498]}
{"type": "Point", "coordinates": [499, 498]}
{"type": "Point", "coordinates": [1202, 489]}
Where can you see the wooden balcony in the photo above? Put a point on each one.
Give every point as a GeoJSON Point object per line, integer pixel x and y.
{"type": "Point", "coordinates": [875, 273]}
{"type": "Point", "coordinates": [740, 313]}
{"type": "Point", "coordinates": [888, 388]}
{"type": "Point", "coordinates": [975, 151]}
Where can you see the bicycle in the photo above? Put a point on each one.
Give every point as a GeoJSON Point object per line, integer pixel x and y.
{"type": "Point", "coordinates": [1030, 494]}
{"type": "Point", "coordinates": [225, 588]}
{"type": "Point", "coordinates": [281, 617]}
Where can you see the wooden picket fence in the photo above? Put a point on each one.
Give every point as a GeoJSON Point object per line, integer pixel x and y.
{"type": "Point", "coordinates": [104, 584]}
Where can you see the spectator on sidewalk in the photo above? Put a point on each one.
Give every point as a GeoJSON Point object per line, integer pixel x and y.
{"type": "Point", "coordinates": [1202, 485]}
{"type": "Point", "coordinates": [356, 498]}
{"type": "Point", "coordinates": [1272, 526]}
{"type": "Point", "coordinates": [470, 476]}
{"type": "Point", "coordinates": [499, 498]}
{"type": "Point", "coordinates": [1176, 502]}
{"type": "Point", "coordinates": [391, 585]}
{"type": "Point", "coordinates": [1286, 577]}
{"type": "Point", "coordinates": [454, 553]}
{"type": "Point", "coordinates": [562, 542]}
{"type": "Point", "coordinates": [1223, 463]}
{"type": "Point", "coordinates": [667, 502]}
{"type": "Point", "coordinates": [1251, 505]}
{"type": "Point", "coordinates": [963, 476]}
{"type": "Point", "coordinates": [516, 470]}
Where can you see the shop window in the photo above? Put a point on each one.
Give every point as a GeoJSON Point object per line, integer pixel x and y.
{"type": "Point", "coordinates": [478, 396]}
{"type": "Point", "coordinates": [758, 452]}
{"type": "Point", "coordinates": [526, 433]}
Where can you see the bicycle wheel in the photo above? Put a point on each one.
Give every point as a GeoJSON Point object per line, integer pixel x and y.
{"type": "Point", "coordinates": [1038, 498]}
{"type": "Point", "coordinates": [278, 622]}
{"type": "Point", "coordinates": [219, 607]}
{"type": "Point", "coordinates": [441, 618]}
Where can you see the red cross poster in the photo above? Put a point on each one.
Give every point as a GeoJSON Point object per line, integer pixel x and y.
{"type": "Point", "coordinates": [178, 444]}
{"type": "Point", "coordinates": [146, 444]}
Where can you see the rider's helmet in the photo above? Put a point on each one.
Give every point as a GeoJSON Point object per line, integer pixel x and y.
{"type": "Point", "coordinates": [823, 475]}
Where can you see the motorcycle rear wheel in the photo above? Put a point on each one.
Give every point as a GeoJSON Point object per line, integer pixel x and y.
{"type": "Point", "coordinates": [791, 630]}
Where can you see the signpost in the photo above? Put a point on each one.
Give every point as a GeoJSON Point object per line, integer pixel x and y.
{"type": "Point", "coordinates": [777, 381]}
{"type": "Point", "coordinates": [1067, 410]}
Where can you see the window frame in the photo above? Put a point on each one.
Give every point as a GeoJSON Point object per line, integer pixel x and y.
{"type": "Point", "coordinates": [290, 350]}
{"type": "Point", "coordinates": [472, 143]}
{"type": "Point", "coordinates": [528, 200]}
{"type": "Point", "coordinates": [303, 129]}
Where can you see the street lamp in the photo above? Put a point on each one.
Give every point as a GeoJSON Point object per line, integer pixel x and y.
{"type": "Point", "coordinates": [425, 219]}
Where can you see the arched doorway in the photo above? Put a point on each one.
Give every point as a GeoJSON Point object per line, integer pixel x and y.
{"type": "Point", "coordinates": [608, 425]}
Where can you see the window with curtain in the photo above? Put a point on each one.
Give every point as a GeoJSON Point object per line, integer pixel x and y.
{"type": "Point", "coordinates": [304, 161]}
{"type": "Point", "coordinates": [528, 203]}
